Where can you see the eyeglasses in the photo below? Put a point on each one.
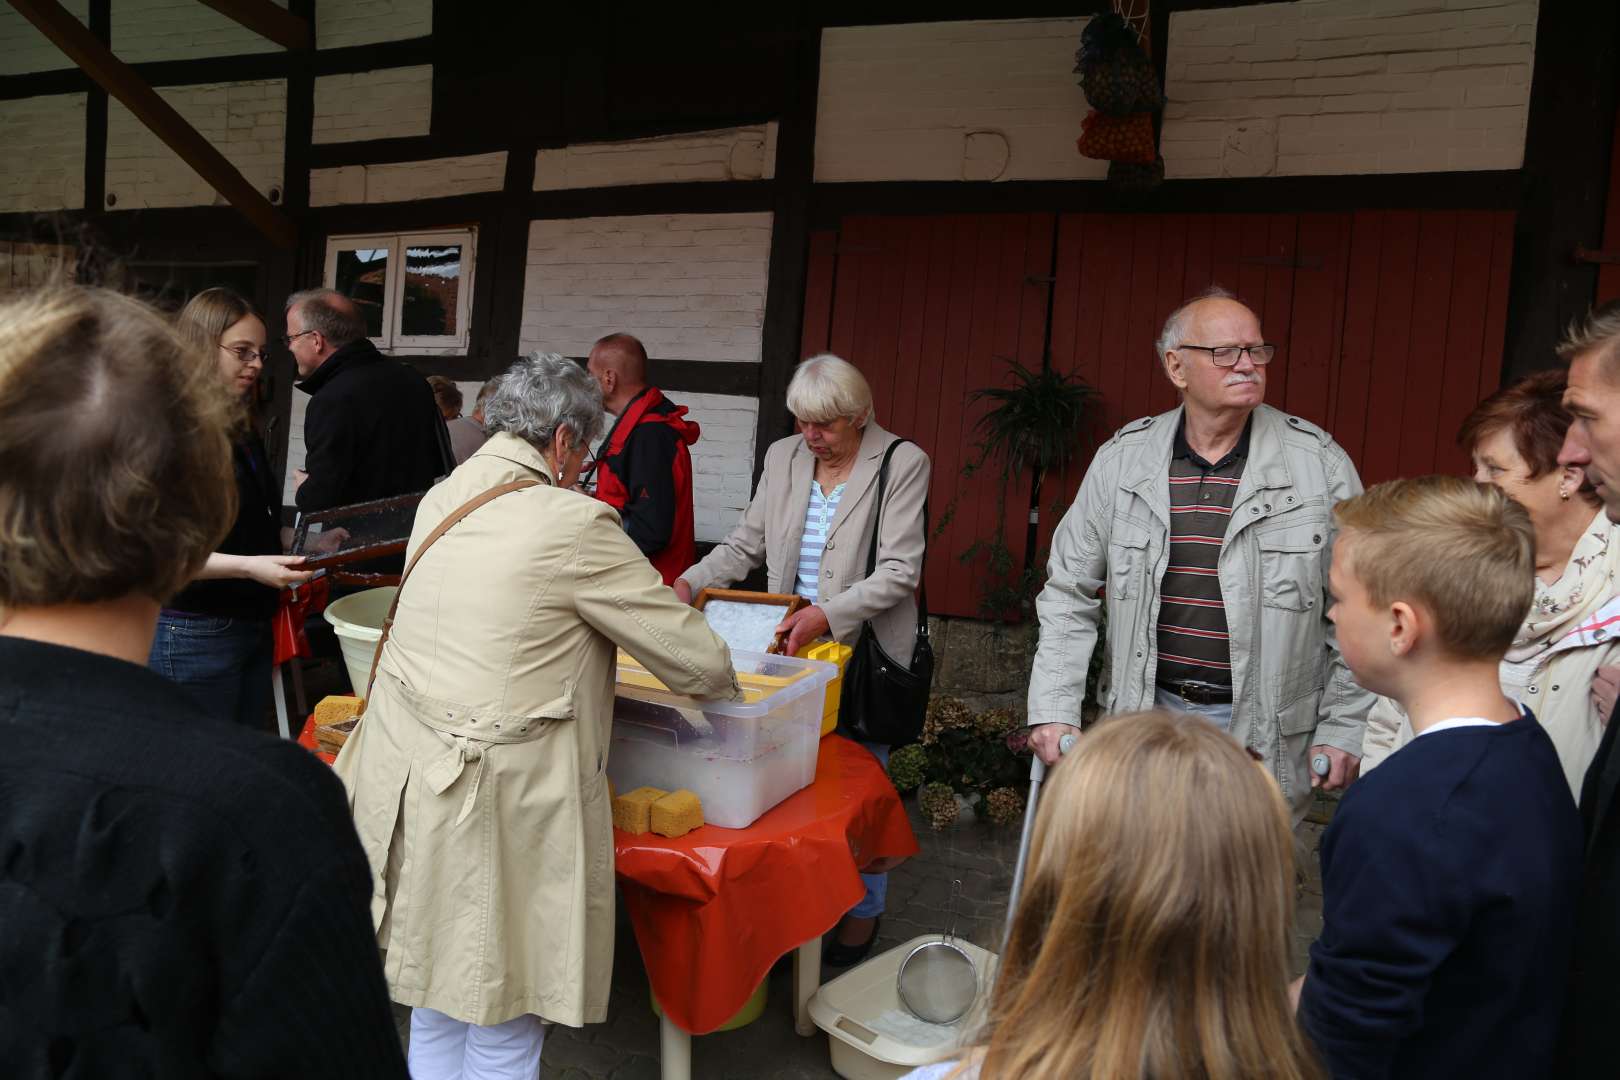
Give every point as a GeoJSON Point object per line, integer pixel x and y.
{"type": "Point", "coordinates": [288, 339]}
{"type": "Point", "coordinates": [1227, 355]}
{"type": "Point", "coordinates": [246, 354]}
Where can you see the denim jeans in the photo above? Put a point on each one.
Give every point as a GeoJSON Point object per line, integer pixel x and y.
{"type": "Point", "coordinates": [877, 885]}
{"type": "Point", "coordinates": [224, 663]}
{"type": "Point", "coordinates": [1219, 715]}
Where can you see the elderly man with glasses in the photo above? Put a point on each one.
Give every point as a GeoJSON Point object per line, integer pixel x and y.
{"type": "Point", "coordinates": [1207, 532]}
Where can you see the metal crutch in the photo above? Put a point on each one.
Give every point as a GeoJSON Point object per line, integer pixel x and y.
{"type": "Point", "coordinates": [1037, 775]}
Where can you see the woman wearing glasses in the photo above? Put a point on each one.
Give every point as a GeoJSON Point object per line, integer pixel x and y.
{"type": "Point", "coordinates": [214, 637]}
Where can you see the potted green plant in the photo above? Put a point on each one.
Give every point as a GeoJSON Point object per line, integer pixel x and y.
{"type": "Point", "coordinates": [978, 758]}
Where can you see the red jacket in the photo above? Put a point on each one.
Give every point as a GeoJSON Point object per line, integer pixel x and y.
{"type": "Point", "coordinates": [644, 470]}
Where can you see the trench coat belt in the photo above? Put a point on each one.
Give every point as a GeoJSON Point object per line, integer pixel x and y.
{"type": "Point", "coordinates": [451, 723]}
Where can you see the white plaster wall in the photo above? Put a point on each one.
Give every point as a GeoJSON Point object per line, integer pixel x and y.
{"type": "Point", "coordinates": [901, 102]}
{"type": "Point", "coordinates": [407, 180]}
{"type": "Point", "coordinates": [691, 286]}
{"type": "Point", "coordinates": [722, 459]}
{"type": "Point", "coordinates": [24, 49]}
{"type": "Point", "coordinates": [1348, 86]}
{"type": "Point", "coordinates": [362, 22]}
{"type": "Point", "coordinates": [386, 104]}
{"type": "Point", "coordinates": [180, 30]}
{"type": "Point", "coordinates": [246, 122]}
{"type": "Point", "coordinates": [747, 153]}
{"type": "Point", "coordinates": [43, 139]}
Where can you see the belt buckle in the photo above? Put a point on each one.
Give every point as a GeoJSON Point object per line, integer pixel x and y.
{"type": "Point", "coordinates": [1199, 693]}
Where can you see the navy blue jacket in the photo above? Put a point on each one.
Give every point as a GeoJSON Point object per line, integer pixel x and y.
{"type": "Point", "coordinates": [1449, 878]}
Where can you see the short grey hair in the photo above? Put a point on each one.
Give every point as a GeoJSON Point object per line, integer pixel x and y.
{"type": "Point", "coordinates": [541, 393]}
{"type": "Point", "coordinates": [1175, 327]}
{"type": "Point", "coordinates": [826, 387]}
{"type": "Point", "coordinates": [339, 324]}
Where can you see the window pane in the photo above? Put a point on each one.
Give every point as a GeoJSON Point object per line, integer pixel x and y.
{"type": "Point", "coordinates": [432, 286]}
{"type": "Point", "coordinates": [362, 275]}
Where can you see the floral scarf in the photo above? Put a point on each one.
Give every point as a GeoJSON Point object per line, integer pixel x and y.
{"type": "Point", "coordinates": [1561, 607]}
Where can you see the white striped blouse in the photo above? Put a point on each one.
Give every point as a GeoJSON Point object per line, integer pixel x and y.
{"type": "Point", "coordinates": [817, 518]}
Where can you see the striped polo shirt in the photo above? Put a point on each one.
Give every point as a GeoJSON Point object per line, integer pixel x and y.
{"type": "Point", "coordinates": [818, 518]}
{"type": "Point", "coordinates": [1193, 641]}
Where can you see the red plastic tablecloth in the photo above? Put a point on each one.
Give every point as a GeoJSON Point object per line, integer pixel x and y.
{"type": "Point", "coordinates": [714, 909]}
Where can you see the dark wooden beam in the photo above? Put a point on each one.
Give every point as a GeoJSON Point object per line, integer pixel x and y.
{"type": "Point", "coordinates": [95, 117]}
{"type": "Point", "coordinates": [499, 346]}
{"type": "Point", "coordinates": [790, 245]}
{"type": "Point", "coordinates": [714, 197]}
{"type": "Point", "coordinates": [116, 77]}
{"type": "Point", "coordinates": [1571, 128]}
{"type": "Point", "coordinates": [1503, 190]}
{"type": "Point", "coordinates": [403, 148]}
{"type": "Point", "coordinates": [267, 20]}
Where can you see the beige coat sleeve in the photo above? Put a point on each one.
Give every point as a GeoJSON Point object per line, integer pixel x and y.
{"type": "Point", "coordinates": [743, 549]}
{"type": "Point", "coordinates": [617, 591]}
{"type": "Point", "coordinates": [902, 541]}
{"type": "Point", "coordinates": [1388, 730]}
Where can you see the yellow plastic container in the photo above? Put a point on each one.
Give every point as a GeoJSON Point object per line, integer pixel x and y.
{"type": "Point", "coordinates": [833, 652]}
{"type": "Point", "coordinates": [745, 1015]}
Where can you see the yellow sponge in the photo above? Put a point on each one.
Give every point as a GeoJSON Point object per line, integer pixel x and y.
{"type": "Point", "coordinates": [676, 814]}
{"type": "Point", "coordinates": [632, 810]}
{"type": "Point", "coordinates": [335, 708]}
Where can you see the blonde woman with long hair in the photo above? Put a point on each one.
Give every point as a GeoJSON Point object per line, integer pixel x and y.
{"type": "Point", "coordinates": [1151, 940]}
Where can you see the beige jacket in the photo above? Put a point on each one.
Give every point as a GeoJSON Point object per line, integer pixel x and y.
{"type": "Point", "coordinates": [773, 525]}
{"type": "Point", "coordinates": [1291, 688]}
{"type": "Point", "coordinates": [476, 776]}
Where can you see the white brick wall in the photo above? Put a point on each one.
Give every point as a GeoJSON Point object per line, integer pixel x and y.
{"type": "Point", "coordinates": [179, 30]}
{"type": "Point", "coordinates": [44, 153]}
{"type": "Point", "coordinates": [747, 153]}
{"type": "Point", "coordinates": [903, 102]}
{"type": "Point", "coordinates": [246, 122]}
{"type": "Point", "coordinates": [362, 22]}
{"type": "Point", "coordinates": [722, 460]}
{"type": "Point", "coordinates": [406, 180]}
{"type": "Point", "coordinates": [387, 104]}
{"type": "Point", "coordinates": [691, 286]}
{"type": "Point", "coordinates": [24, 49]}
{"type": "Point", "coordinates": [1348, 86]}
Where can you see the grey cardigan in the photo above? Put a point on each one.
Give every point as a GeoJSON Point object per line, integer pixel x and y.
{"type": "Point", "coordinates": [773, 525]}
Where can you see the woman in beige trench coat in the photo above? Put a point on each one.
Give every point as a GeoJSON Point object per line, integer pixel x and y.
{"type": "Point", "coordinates": [476, 775]}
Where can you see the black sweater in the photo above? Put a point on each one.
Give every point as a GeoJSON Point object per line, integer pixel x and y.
{"type": "Point", "coordinates": [256, 531]}
{"type": "Point", "coordinates": [1449, 878]}
{"type": "Point", "coordinates": [178, 897]}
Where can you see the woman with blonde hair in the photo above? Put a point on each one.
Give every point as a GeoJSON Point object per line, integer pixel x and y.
{"type": "Point", "coordinates": [1151, 940]}
{"type": "Point", "coordinates": [214, 637]}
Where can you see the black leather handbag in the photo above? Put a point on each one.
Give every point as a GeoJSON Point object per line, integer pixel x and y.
{"type": "Point", "coordinates": [883, 700]}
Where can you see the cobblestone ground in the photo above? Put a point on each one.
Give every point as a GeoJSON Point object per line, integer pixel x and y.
{"type": "Point", "coordinates": [626, 1047]}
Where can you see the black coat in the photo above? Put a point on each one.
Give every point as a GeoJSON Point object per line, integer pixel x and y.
{"type": "Point", "coordinates": [256, 531]}
{"type": "Point", "coordinates": [372, 430]}
{"type": "Point", "coordinates": [179, 897]}
{"type": "Point", "coordinates": [1589, 1004]}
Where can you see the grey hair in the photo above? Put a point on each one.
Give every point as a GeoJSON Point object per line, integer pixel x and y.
{"type": "Point", "coordinates": [826, 387]}
{"type": "Point", "coordinates": [541, 393]}
{"type": "Point", "coordinates": [1175, 327]}
{"type": "Point", "coordinates": [338, 326]}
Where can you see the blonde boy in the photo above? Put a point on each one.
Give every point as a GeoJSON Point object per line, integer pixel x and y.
{"type": "Point", "coordinates": [1449, 874]}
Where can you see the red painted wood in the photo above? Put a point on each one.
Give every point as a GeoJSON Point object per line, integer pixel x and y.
{"type": "Point", "coordinates": [818, 292]}
{"type": "Point", "coordinates": [1349, 418]}
{"type": "Point", "coordinates": [1420, 433]}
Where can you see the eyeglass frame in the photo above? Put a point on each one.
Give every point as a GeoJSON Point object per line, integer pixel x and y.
{"type": "Point", "coordinates": [245, 354]}
{"type": "Point", "coordinates": [288, 339]}
{"type": "Point", "coordinates": [1241, 349]}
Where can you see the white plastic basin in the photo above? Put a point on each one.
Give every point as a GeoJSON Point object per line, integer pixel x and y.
{"type": "Point", "coordinates": [358, 620]}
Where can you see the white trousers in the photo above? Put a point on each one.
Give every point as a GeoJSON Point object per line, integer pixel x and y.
{"type": "Point", "coordinates": [447, 1049]}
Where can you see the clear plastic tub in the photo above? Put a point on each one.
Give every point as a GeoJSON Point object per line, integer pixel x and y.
{"type": "Point", "coordinates": [740, 757]}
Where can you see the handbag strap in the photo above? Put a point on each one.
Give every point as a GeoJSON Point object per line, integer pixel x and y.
{"type": "Point", "coordinates": [877, 525]}
{"type": "Point", "coordinates": [438, 530]}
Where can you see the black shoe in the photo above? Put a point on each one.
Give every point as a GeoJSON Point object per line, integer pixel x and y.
{"type": "Point", "coordinates": [839, 955]}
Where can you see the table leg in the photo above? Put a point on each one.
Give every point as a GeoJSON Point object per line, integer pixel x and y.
{"type": "Point", "coordinates": [806, 979]}
{"type": "Point", "coordinates": [674, 1051]}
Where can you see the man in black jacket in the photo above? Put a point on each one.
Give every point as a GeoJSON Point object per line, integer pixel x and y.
{"type": "Point", "coordinates": [1592, 350]}
{"type": "Point", "coordinates": [373, 428]}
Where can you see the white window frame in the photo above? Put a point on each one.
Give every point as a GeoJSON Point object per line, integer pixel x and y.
{"type": "Point", "coordinates": [392, 340]}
